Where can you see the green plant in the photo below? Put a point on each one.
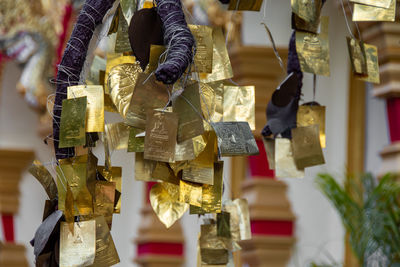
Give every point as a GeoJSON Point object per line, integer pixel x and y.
{"type": "Point", "coordinates": [370, 213]}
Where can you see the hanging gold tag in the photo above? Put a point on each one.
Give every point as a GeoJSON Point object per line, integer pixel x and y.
{"type": "Point", "coordinates": [114, 175]}
{"type": "Point", "coordinates": [313, 50]}
{"type": "Point", "coordinates": [285, 165]}
{"type": "Point", "coordinates": [115, 59]}
{"type": "Point", "coordinates": [163, 173]}
{"type": "Point", "coordinates": [307, 151]}
{"type": "Point", "coordinates": [188, 108]}
{"type": "Point", "coordinates": [72, 125]}
{"type": "Point", "coordinates": [122, 43]}
{"type": "Point", "coordinates": [135, 144]}
{"type": "Point", "coordinates": [148, 95]}
{"type": "Point", "coordinates": [212, 194]}
{"type": "Point", "coordinates": [371, 52]}
{"type": "Point", "coordinates": [222, 69]}
{"type": "Point", "coordinates": [104, 200]}
{"type": "Point", "coordinates": [307, 10]}
{"type": "Point", "coordinates": [144, 168]}
{"type": "Point", "coordinates": [184, 151]}
{"type": "Point", "coordinates": [199, 172]}
{"type": "Point", "coordinates": [235, 139]}
{"type": "Point", "coordinates": [156, 52]}
{"type": "Point", "coordinates": [375, 3]}
{"type": "Point", "coordinates": [161, 133]}
{"type": "Point", "coordinates": [212, 248]}
{"type": "Point", "coordinates": [78, 248]}
{"type": "Point", "coordinates": [121, 83]}
{"type": "Point", "coordinates": [98, 64]}
{"type": "Point", "coordinates": [190, 193]}
{"type": "Point", "coordinates": [73, 172]}
{"type": "Point", "coordinates": [165, 203]}
{"type": "Point", "coordinates": [232, 208]}
{"type": "Point", "coordinates": [44, 177]}
{"type": "Point", "coordinates": [94, 105]}
{"type": "Point", "coordinates": [244, 218]}
{"type": "Point", "coordinates": [208, 104]}
{"type": "Point", "coordinates": [371, 13]}
{"type": "Point", "coordinates": [249, 5]}
{"type": "Point", "coordinates": [106, 253]}
{"type": "Point", "coordinates": [308, 115]}
{"type": "Point", "coordinates": [299, 24]}
{"type": "Point", "coordinates": [239, 104]}
{"type": "Point", "coordinates": [224, 225]}
{"type": "Point", "coordinates": [269, 146]}
{"type": "Point", "coordinates": [117, 135]}
{"type": "Point", "coordinates": [357, 56]}
{"type": "Point", "coordinates": [203, 58]}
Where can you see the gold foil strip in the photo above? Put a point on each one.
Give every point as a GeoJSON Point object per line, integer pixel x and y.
{"type": "Point", "coordinates": [371, 13]}
{"type": "Point", "coordinates": [307, 151]}
{"type": "Point", "coordinates": [285, 165]}
{"type": "Point", "coordinates": [135, 144]}
{"type": "Point", "coordinates": [269, 146]}
{"type": "Point", "coordinates": [78, 248]}
{"type": "Point", "coordinates": [121, 83]}
{"type": "Point", "coordinates": [73, 172]}
{"type": "Point", "coordinates": [198, 145]}
{"type": "Point", "coordinates": [148, 95]}
{"type": "Point", "coordinates": [375, 3]}
{"type": "Point", "coordinates": [187, 106]}
{"type": "Point", "coordinates": [239, 104]}
{"type": "Point", "coordinates": [185, 150]}
{"type": "Point", "coordinates": [165, 203]}
{"type": "Point", "coordinates": [115, 59]}
{"type": "Point", "coordinates": [371, 52]}
{"type": "Point", "coordinates": [313, 114]}
{"type": "Point", "coordinates": [235, 139]}
{"type": "Point", "coordinates": [208, 104]}
{"type": "Point", "coordinates": [113, 175]}
{"type": "Point", "coordinates": [308, 10]}
{"type": "Point", "coordinates": [95, 105]}
{"type": "Point", "coordinates": [190, 193]}
{"type": "Point", "coordinates": [72, 124]}
{"type": "Point", "coordinates": [222, 69]}
{"type": "Point", "coordinates": [122, 43]}
{"type": "Point", "coordinates": [313, 50]}
{"type": "Point", "coordinates": [117, 135]}
{"type": "Point", "coordinates": [45, 179]}
{"type": "Point", "coordinates": [144, 168]}
{"type": "Point", "coordinates": [212, 194]}
{"type": "Point", "coordinates": [104, 200]}
{"type": "Point", "coordinates": [357, 56]}
{"type": "Point", "coordinates": [161, 133]}
{"type": "Point", "coordinates": [244, 218]}
{"type": "Point", "coordinates": [106, 253]}
{"type": "Point", "coordinates": [203, 58]}
{"type": "Point", "coordinates": [156, 51]}
{"type": "Point", "coordinates": [249, 5]}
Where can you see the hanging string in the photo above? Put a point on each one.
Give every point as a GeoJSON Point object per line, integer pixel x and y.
{"type": "Point", "coordinates": [274, 47]}
{"type": "Point", "coordinates": [347, 22]}
{"type": "Point", "coordinates": [355, 23]}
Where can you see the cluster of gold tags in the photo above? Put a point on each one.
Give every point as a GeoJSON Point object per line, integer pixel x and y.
{"type": "Point", "coordinates": [179, 133]}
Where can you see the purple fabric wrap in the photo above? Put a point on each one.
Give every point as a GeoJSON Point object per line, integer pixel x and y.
{"type": "Point", "coordinates": [73, 60]}
{"type": "Point", "coordinates": [178, 38]}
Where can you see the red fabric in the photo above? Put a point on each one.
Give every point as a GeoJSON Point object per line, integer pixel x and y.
{"type": "Point", "coordinates": [63, 36]}
{"type": "Point", "coordinates": [8, 227]}
{"type": "Point", "coordinates": [149, 186]}
{"type": "Point", "coordinates": [393, 111]}
{"type": "Point", "coordinates": [173, 249]}
{"type": "Point", "coordinates": [282, 228]}
{"type": "Point", "coordinates": [258, 165]}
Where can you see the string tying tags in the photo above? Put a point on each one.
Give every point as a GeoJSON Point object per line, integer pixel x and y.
{"type": "Point", "coordinates": [347, 22]}
{"type": "Point", "coordinates": [274, 47]}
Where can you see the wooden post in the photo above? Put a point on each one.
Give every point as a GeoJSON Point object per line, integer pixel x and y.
{"type": "Point", "coordinates": [272, 220]}
{"type": "Point", "coordinates": [12, 165]}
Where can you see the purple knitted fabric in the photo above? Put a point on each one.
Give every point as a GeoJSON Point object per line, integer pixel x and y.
{"type": "Point", "coordinates": [179, 40]}
{"type": "Point", "coordinates": [73, 60]}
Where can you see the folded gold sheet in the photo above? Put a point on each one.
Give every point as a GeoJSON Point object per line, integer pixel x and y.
{"type": "Point", "coordinates": [307, 10]}
{"type": "Point", "coordinates": [371, 52]}
{"type": "Point", "coordinates": [115, 59]}
{"type": "Point", "coordinates": [44, 177]}
{"type": "Point", "coordinates": [239, 104]}
{"type": "Point", "coordinates": [104, 200]}
{"type": "Point", "coordinates": [371, 13]}
{"type": "Point", "coordinates": [357, 56]}
{"type": "Point", "coordinates": [190, 193]}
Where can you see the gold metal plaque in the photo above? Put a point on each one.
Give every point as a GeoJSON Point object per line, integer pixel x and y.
{"type": "Point", "coordinates": [72, 124]}
{"type": "Point", "coordinates": [190, 193]}
{"type": "Point", "coordinates": [239, 104]}
{"type": "Point", "coordinates": [371, 13]}
{"type": "Point", "coordinates": [371, 52]}
{"type": "Point", "coordinates": [308, 115]}
{"type": "Point", "coordinates": [117, 135]}
{"type": "Point", "coordinates": [357, 56]}
{"type": "Point", "coordinates": [285, 165]}
{"type": "Point", "coordinates": [203, 58]}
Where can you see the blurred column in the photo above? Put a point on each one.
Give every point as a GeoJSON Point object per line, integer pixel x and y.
{"type": "Point", "coordinates": [272, 220]}
{"type": "Point", "coordinates": [12, 165]}
{"type": "Point", "coordinates": [158, 246]}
